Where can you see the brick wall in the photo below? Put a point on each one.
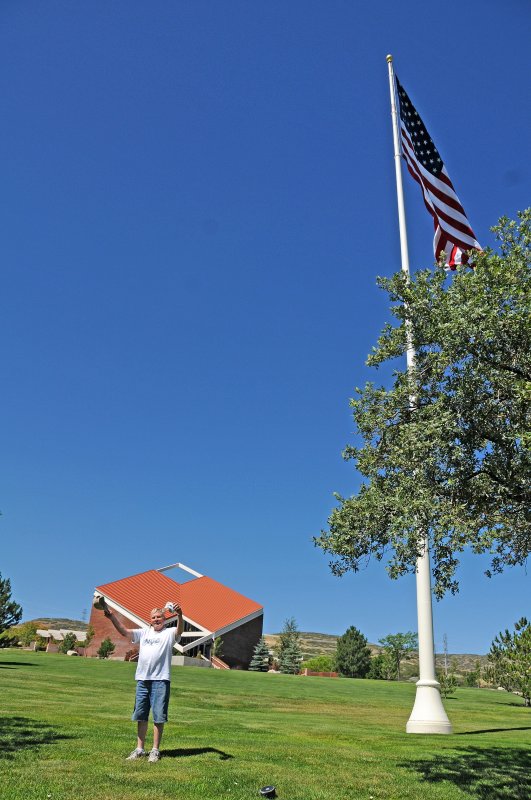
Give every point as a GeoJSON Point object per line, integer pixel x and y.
{"type": "Point", "coordinates": [239, 644]}
{"type": "Point", "coordinates": [104, 628]}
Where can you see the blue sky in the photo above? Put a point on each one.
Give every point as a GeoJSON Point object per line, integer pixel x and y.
{"type": "Point", "coordinates": [195, 202]}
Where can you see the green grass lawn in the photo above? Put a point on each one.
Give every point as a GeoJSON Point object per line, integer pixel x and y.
{"type": "Point", "coordinates": [65, 730]}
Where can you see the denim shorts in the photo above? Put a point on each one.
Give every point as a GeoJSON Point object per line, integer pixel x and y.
{"type": "Point", "coordinates": [154, 695]}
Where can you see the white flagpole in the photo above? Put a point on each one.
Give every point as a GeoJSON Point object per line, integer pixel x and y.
{"type": "Point", "coordinates": [428, 714]}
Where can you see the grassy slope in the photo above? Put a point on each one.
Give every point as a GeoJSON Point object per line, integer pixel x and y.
{"type": "Point", "coordinates": [64, 730]}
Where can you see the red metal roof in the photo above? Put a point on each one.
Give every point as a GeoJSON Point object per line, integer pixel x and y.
{"type": "Point", "coordinates": [213, 605]}
{"type": "Point", "coordinates": [143, 592]}
{"type": "Point", "coordinates": [203, 600]}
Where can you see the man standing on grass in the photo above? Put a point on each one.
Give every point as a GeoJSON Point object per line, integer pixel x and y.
{"type": "Point", "coordinates": [152, 673]}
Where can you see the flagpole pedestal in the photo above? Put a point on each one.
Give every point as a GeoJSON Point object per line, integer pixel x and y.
{"type": "Point", "coordinates": [428, 714]}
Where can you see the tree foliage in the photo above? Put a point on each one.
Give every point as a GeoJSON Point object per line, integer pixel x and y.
{"type": "Point", "coordinates": [289, 650]}
{"type": "Point", "coordinates": [322, 663]}
{"type": "Point", "coordinates": [26, 632]}
{"type": "Point", "coordinates": [10, 612]}
{"type": "Point", "coordinates": [69, 642]}
{"type": "Point", "coordinates": [397, 647]}
{"type": "Point", "coordinates": [473, 676]}
{"type": "Point", "coordinates": [353, 657]}
{"type": "Point", "coordinates": [445, 452]}
{"type": "Point", "coordinates": [106, 648]}
{"type": "Point", "coordinates": [381, 668]}
{"type": "Point", "coordinates": [261, 657]}
{"type": "Point", "coordinates": [89, 636]}
{"type": "Point", "coordinates": [510, 660]}
{"type": "Point", "coordinates": [448, 679]}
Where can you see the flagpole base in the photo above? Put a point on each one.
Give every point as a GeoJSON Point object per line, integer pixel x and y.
{"type": "Point", "coordinates": [428, 715]}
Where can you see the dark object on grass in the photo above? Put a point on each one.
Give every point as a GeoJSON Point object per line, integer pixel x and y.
{"type": "Point", "coordinates": [268, 791]}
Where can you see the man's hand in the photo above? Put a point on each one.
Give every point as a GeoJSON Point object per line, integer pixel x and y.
{"type": "Point", "coordinates": [100, 604]}
{"type": "Point", "coordinates": [173, 608]}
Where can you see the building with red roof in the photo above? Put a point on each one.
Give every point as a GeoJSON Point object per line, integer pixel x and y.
{"type": "Point", "coordinates": [211, 611]}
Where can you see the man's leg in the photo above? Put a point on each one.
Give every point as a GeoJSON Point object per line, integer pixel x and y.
{"type": "Point", "coordinates": [159, 705]}
{"type": "Point", "coordinates": [158, 730]}
{"type": "Point", "coordinates": [142, 726]}
{"type": "Point", "coordinates": [140, 716]}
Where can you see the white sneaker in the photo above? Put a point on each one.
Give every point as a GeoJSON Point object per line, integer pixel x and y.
{"type": "Point", "coordinates": [154, 756]}
{"type": "Point", "coordinates": [137, 753]}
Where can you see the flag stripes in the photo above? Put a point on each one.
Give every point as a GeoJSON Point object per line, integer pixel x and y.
{"type": "Point", "coordinates": [453, 233]}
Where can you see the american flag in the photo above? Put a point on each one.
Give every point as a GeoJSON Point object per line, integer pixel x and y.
{"type": "Point", "coordinates": [453, 234]}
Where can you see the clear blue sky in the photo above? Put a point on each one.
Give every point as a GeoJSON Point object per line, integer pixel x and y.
{"type": "Point", "coordinates": [195, 201]}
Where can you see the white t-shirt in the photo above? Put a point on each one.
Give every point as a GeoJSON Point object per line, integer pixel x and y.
{"type": "Point", "coordinates": [156, 649]}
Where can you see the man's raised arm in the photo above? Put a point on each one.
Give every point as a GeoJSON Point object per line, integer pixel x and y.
{"type": "Point", "coordinates": [175, 608]}
{"type": "Point", "coordinates": [101, 605]}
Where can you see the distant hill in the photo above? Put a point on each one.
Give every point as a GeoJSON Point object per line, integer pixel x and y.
{"type": "Point", "coordinates": [324, 644]}
{"type": "Point", "coordinates": [59, 622]}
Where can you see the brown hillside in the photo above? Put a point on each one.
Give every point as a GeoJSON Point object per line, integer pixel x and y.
{"type": "Point", "coordinates": [324, 644]}
{"type": "Point", "coordinates": [59, 622]}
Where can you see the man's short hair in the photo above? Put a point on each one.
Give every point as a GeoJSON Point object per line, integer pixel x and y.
{"type": "Point", "coordinates": [157, 611]}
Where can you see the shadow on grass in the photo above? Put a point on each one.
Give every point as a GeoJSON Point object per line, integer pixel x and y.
{"type": "Point", "coordinates": [183, 752]}
{"type": "Point", "coordinates": [492, 730]}
{"type": "Point", "coordinates": [490, 773]}
{"type": "Point", "coordinates": [15, 664]}
{"type": "Point", "coordinates": [22, 733]}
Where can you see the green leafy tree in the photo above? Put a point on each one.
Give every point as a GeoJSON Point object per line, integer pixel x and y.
{"type": "Point", "coordinates": [218, 647]}
{"type": "Point", "coordinates": [69, 643]}
{"type": "Point", "coordinates": [510, 660]}
{"type": "Point", "coordinates": [473, 676]}
{"type": "Point", "coordinates": [10, 612]}
{"type": "Point", "coordinates": [448, 683]}
{"type": "Point", "coordinates": [397, 647]}
{"type": "Point", "coordinates": [89, 636]}
{"type": "Point", "coordinates": [27, 633]}
{"type": "Point", "coordinates": [448, 679]}
{"type": "Point", "coordinates": [454, 464]}
{"type": "Point", "coordinates": [319, 664]}
{"type": "Point", "coordinates": [261, 657]}
{"type": "Point", "coordinates": [7, 639]}
{"type": "Point", "coordinates": [289, 651]}
{"type": "Point", "coordinates": [353, 657]}
{"type": "Point", "coordinates": [106, 648]}
{"type": "Point", "coordinates": [381, 667]}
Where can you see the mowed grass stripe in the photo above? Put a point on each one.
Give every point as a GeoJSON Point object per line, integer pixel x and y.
{"type": "Point", "coordinates": [65, 731]}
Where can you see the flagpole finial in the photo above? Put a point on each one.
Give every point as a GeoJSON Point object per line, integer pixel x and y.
{"type": "Point", "coordinates": [389, 58]}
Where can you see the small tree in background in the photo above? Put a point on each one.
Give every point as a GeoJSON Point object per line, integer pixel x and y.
{"type": "Point", "coordinates": [289, 651]}
{"type": "Point", "coordinates": [27, 633]}
{"type": "Point", "coordinates": [218, 647]}
{"type": "Point", "coordinates": [106, 648]}
{"type": "Point", "coordinates": [10, 612]}
{"type": "Point", "coordinates": [319, 664]}
{"type": "Point", "coordinates": [399, 646]}
{"type": "Point", "coordinates": [510, 660]}
{"type": "Point", "coordinates": [260, 659]}
{"type": "Point", "coordinates": [381, 667]}
{"type": "Point", "coordinates": [473, 676]}
{"type": "Point", "coordinates": [69, 643]}
{"type": "Point", "coordinates": [353, 657]}
{"type": "Point", "coordinates": [89, 636]}
{"type": "Point", "coordinates": [290, 661]}
{"type": "Point", "coordinates": [7, 639]}
{"type": "Point", "coordinates": [447, 678]}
